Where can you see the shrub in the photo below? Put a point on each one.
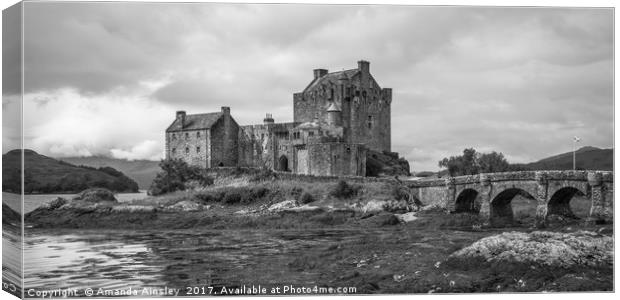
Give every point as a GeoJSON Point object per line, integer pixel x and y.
{"type": "Point", "coordinates": [400, 193]}
{"type": "Point", "coordinates": [343, 190]}
{"type": "Point", "coordinates": [263, 174]}
{"type": "Point", "coordinates": [253, 194]}
{"type": "Point", "coordinates": [232, 197]}
{"type": "Point", "coordinates": [296, 192]}
{"type": "Point", "coordinates": [206, 197]}
{"type": "Point", "coordinates": [175, 175]}
{"type": "Point", "coordinates": [306, 198]}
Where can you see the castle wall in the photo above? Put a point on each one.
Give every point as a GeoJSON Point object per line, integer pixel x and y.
{"type": "Point", "coordinates": [336, 159]}
{"type": "Point", "coordinates": [265, 144]}
{"type": "Point", "coordinates": [192, 146]}
{"type": "Point", "coordinates": [224, 142]}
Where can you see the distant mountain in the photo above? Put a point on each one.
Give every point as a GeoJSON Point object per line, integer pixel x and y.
{"type": "Point", "coordinates": [48, 175]}
{"type": "Point", "coordinates": [587, 158]}
{"type": "Point", "coordinates": [142, 171]}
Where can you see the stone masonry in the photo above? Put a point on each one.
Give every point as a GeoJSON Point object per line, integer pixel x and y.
{"type": "Point", "coordinates": [338, 117]}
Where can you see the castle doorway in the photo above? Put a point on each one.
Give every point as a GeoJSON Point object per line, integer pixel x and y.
{"type": "Point", "coordinates": [283, 164]}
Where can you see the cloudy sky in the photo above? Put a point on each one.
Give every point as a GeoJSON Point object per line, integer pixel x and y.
{"type": "Point", "coordinates": [106, 78]}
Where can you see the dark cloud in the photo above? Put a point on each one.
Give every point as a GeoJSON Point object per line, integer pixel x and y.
{"type": "Point", "coordinates": [522, 81]}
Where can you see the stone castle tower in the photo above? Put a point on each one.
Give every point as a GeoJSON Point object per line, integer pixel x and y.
{"type": "Point", "coordinates": [364, 106]}
{"type": "Point", "coordinates": [338, 118]}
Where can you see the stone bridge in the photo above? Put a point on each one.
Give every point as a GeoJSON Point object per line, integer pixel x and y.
{"type": "Point", "coordinates": [490, 194]}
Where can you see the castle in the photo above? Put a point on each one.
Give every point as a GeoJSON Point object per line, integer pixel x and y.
{"type": "Point", "coordinates": [338, 118]}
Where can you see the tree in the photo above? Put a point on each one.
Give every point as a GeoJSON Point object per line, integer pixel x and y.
{"type": "Point", "coordinates": [492, 162]}
{"type": "Point", "coordinates": [465, 164]}
{"type": "Point", "coordinates": [177, 175]}
{"type": "Point", "coordinates": [472, 162]}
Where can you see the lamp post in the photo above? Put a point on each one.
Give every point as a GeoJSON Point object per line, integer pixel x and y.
{"type": "Point", "coordinates": [575, 141]}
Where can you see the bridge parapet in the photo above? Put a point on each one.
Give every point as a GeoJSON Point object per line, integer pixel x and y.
{"type": "Point", "coordinates": [598, 176]}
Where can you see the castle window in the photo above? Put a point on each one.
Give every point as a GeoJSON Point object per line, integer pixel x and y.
{"type": "Point", "coordinates": [187, 135]}
{"type": "Point", "coordinates": [198, 134]}
{"type": "Point", "coordinates": [174, 136]}
{"type": "Point", "coordinates": [331, 93]}
{"type": "Point", "coordinates": [369, 122]}
{"type": "Point", "coordinates": [348, 149]}
{"type": "Point", "coordinates": [174, 150]}
{"type": "Point", "coordinates": [197, 149]}
{"type": "Point", "coordinates": [311, 133]}
{"type": "Point", "coordinates": [187, 150]}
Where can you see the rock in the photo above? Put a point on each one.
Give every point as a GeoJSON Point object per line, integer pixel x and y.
{"type": "Point", "coordinates": [407, 217]}
{"type": "Point", "coordinates": [349, 275]}
{"type": "Point", "coordinates": [133, 208]}
{"type": "Point", "coordinates": [56, 203]}
{"type": "Point", "coordinates": [373, 206]}
{"type": "Point", "coordinates": [383, 219]}
{"type": "Point", "coordinates": [185, 205]}
{"type": "Point", "coordinates": [542, 247]}
{"type": "Point", "coordinates": [283, 205]}
{"type": "Point", "coordinates": [96, 195]}
{"type": "Point", "coordinates": [303, 208]}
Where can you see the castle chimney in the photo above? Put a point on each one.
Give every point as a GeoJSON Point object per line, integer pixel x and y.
{"type": "Point", "coordinates": [318, 73]}
{"type": "Point", "coordinates": [364, 68]}
{"type": "Point", "coordinates": [181, 117]}
{"type": "Point", "coordinates": [226, 110]}
{"type": "Point", "coordinates": [268, 119]}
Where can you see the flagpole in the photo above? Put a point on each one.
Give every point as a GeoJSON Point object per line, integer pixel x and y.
{"type": "Point", "coordinates": [574, 143]}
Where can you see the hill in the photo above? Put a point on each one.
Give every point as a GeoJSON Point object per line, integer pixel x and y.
{"type": "Point", "coordinates": [47, 175]}
{"type": "Point", "coordinates": [587, 158]}
{"type": "Point", "coordinates": [142, 171]}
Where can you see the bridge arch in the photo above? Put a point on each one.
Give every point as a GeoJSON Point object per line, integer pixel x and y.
{"type": "Point", "coordinates": [501, 210]}
{"type": "Point", "coordinates": [467, 201]}
{"type": "Point", "coordinates": [560, 200]}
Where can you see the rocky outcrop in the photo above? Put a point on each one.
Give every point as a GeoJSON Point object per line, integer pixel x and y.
{"type": "Point", "coordinates": [96, 195]}
{"type": "Point", "coordinates": [544, 248]}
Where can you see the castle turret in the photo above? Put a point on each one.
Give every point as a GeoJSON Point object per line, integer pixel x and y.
{"type": "Point", "coordinates": [268, 119]}
{"type": "Point", "coordinates": [334, 115]}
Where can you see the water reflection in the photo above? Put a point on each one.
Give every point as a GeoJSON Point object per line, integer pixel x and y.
{"type": "Point", "coordinates": [111, 259]}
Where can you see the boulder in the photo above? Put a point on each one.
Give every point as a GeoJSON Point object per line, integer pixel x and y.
{"type": "Point", "coordinates": [185, 205]}
{"type": "Point", "coordinates": [406, 217]}
{"type": "Point", "coordinates": [96, 195]}
{"type": "Point", "coordinates": [382, 219]}
{"type": "Point", "coordinates": [283, 205]}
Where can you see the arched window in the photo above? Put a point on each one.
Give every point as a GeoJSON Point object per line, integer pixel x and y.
{"type": "Point", "coordinates": [187, 135]}
{"type": "Point", "coordinates": [198, 134]}
{"type": "Point", "coordinates": [197, 149]}
{"type": "Point", "coordinates": [187, 150]}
